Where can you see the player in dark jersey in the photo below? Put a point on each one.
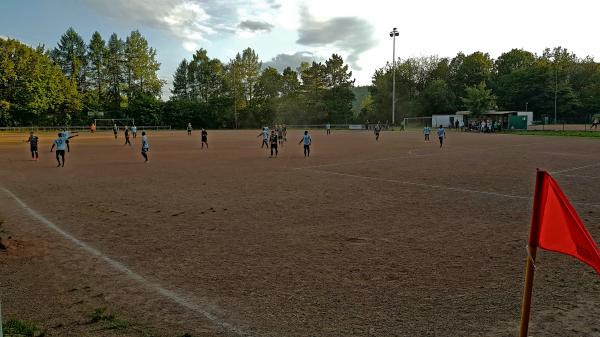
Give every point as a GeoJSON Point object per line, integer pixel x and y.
{"type": "Point", "coordinates": [127, 136]}
{"type": "Point", "coordinates": [280, 134]}
{"type": "Point", "coordinates": [377, 130]}
{"type": "Point", "coordinates": [33, 145]}
{"type": "Point", "coordinates": [204, 138]}
{"type": "Point", "coordinates": [274, 141]}
{"type": "Point", "coordinates": [284, 132]}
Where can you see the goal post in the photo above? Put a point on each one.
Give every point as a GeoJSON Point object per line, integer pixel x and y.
{"type": "Point", "coordinates": [416, 123]}
{"type": "Point", "coordinates": [108, 123]}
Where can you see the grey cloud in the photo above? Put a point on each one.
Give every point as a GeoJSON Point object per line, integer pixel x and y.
{"type": "Point", "coordinates": [350, 34]}
{"type": "Point", "coordinates": [190, 21]}
{"type": "Point", "coordinates": [255, 26]}
{"type": "Point", "coordinates": [282, 61]}
{"type": "Point", "coordinates": [273, 4]}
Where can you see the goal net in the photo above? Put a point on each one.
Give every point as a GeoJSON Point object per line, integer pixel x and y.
{"type": "Point", "coordinates": [416, 123]}
{"type": "Point", "coordinates": [107, 124]}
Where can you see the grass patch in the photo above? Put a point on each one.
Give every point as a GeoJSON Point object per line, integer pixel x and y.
{"type": "Point", "coordinates": [109, 321]}
{"type": "Point", "coordinates": [587, 134]}
{"type": "Point", "coordinates": [18, 328]}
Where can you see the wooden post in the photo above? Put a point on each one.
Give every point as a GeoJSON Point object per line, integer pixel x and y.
{"type": "Point", "coordinates": [534, 236]}
{"type": "Point", "coordinates": [527, 291]}
{"type": "Point", "coordinates": [0, 318]}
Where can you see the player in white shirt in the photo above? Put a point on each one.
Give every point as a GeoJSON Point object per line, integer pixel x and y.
{"type": "Point", "coordinates": [67, 135]}
{"type": "Point", "coordinates": [265, 134]}
{"type": "Point", "coordinates": [134, 131]}
{"type": "Point", "coordinates": [189, 129]}
{"type": "Point", "coordinates": [145, 146]}
{"type": "Point", "coordinates": [61, 144]}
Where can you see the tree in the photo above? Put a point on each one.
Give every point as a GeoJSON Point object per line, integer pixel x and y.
{"type": "Point", "coordinates": [115, 60]}
{"type": "Point", "coordinates": [33, 89]}
{"type": "Point", "coordinates": [250, 71]}
{"type": "Point", "coordinates": [205, 77]}
{"type": "Point", "coordinates": [438, 98]}
{"type": "Point", "coordinates": [470, 70]}
{"type": "Point", "coordinates": [479, 99]}
{"type": "Point", "coordinates": [96, 56]}
{"type": "Point", "coordinates": [141, 67]}
{"type": "Point", "coordinates": [513, 60]}
{"type": "Point", "coordinates": [180, 82]}
{"type": "Point", "coordinates": [70, 55]}
{"type": "Point", "coordinates": [339, 96]}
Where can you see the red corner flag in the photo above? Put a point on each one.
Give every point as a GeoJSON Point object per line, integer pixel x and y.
{"type": "Point", "coordinates": [556, 226]}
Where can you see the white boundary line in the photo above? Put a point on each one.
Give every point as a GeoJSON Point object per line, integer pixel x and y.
{"type": "Point", "coordinates": [409, 183]}
{"type": "Point", "coordinates": [448, 188]}
{"type": "Point", "coordinates": [411, 154]}
{"type": "Point", "coordinates": [575, 168]}
{"type": "Point", "coordinates": [577, 176]}
{"type": "Point", "coordinates": [204, 309]}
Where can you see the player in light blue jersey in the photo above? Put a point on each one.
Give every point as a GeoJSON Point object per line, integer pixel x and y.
{"type": "Point", "coordinates": [441, 135]}
{"type": "Point", "coordinates": [426, 132]}
{"type": "Point", "coordinates": [67, 135]}
{"type": "Point", "coordinates": [307, 143]}
{"type": "Point", "coordinates": [60, 143]}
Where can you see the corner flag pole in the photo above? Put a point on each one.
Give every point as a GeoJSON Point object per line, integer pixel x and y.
{"type": "Point", "coordinates": [0, 318]}
{"type": "Point", "coordinates": [531, 253]}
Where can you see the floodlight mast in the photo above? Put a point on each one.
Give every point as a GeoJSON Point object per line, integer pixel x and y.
{"type": "Point", "coordinates": [393, 35]}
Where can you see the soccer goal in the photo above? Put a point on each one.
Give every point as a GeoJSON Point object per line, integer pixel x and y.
{"type": "Point", "coordinates": [416, 123]}
{"type": "Point", "coordinates": [107, 124]}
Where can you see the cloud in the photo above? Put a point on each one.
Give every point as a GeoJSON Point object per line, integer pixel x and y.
{"type": "Point", "coordinates": [192, 22]}
{"type": "Point", "coordinates": [352, 35]}
{"type": "Point", "coordinates": [282, 61]}
{"type": "Point", "coordinates": [255, 26]}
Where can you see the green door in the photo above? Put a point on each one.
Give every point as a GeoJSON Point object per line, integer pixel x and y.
{"type": "Point", "coordinates": [517, 122]}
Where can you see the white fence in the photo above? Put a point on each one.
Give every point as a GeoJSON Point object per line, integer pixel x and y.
{"type": "Point", "coordinates": [24, 129]}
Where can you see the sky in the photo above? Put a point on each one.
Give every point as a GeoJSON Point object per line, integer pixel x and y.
{"type": "Point", "coordinates": [287, 32]}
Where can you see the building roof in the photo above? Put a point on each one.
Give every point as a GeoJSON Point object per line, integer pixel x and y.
{"type": "Point", "coordinates": [491, 112]}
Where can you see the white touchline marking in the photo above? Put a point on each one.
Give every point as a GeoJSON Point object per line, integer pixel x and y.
{"type": "Point", "coordinates": [448, 188]}
{"type": "Point", "coordinates": [576, 176]}
{"type": "Point", "coordinates": [411, 154]}
{"type": "Point", "coordinates": [575, 168]}
{"type": "Point", "coordinates": [201, 308]}
{"type": "Point", "coordinates": [423, 185]}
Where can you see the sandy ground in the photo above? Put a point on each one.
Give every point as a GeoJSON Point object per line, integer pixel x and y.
{"type": "Point", "coordinates": [364, 238]}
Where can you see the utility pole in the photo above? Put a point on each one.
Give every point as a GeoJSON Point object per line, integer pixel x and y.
{"type": "Point", "coordinates": [555, 94]}
{"type": "Point", "coordinates": [393, 35]}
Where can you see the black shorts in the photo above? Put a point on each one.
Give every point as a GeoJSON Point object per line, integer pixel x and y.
{"type": "Point", "coordinates": [60, 153]}
{"type": "Point", "coordinates": [33, 148]}
{"type": "Point", "coordinates": [204, 139]}
{"type": "Point", "coordinates": [273, 146]}
{"type": "Point", "coordinates": [144, 150]}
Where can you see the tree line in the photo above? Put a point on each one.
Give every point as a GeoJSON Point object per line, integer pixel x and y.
{"type": "Point", "coordinates": [517, 80]}
{"type": "Point", "coordinates": [76, 80]}
{"type": "Point", "coordinates": [118, 78]}
{"type": "Point", "coordinates": [241, 93]}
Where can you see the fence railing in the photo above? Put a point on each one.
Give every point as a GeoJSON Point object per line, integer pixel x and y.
{"type": "Point", "coordinates": [21, 129]}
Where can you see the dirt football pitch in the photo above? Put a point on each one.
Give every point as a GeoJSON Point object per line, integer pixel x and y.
{"type": "Point", "coordinates": [390, 238]}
